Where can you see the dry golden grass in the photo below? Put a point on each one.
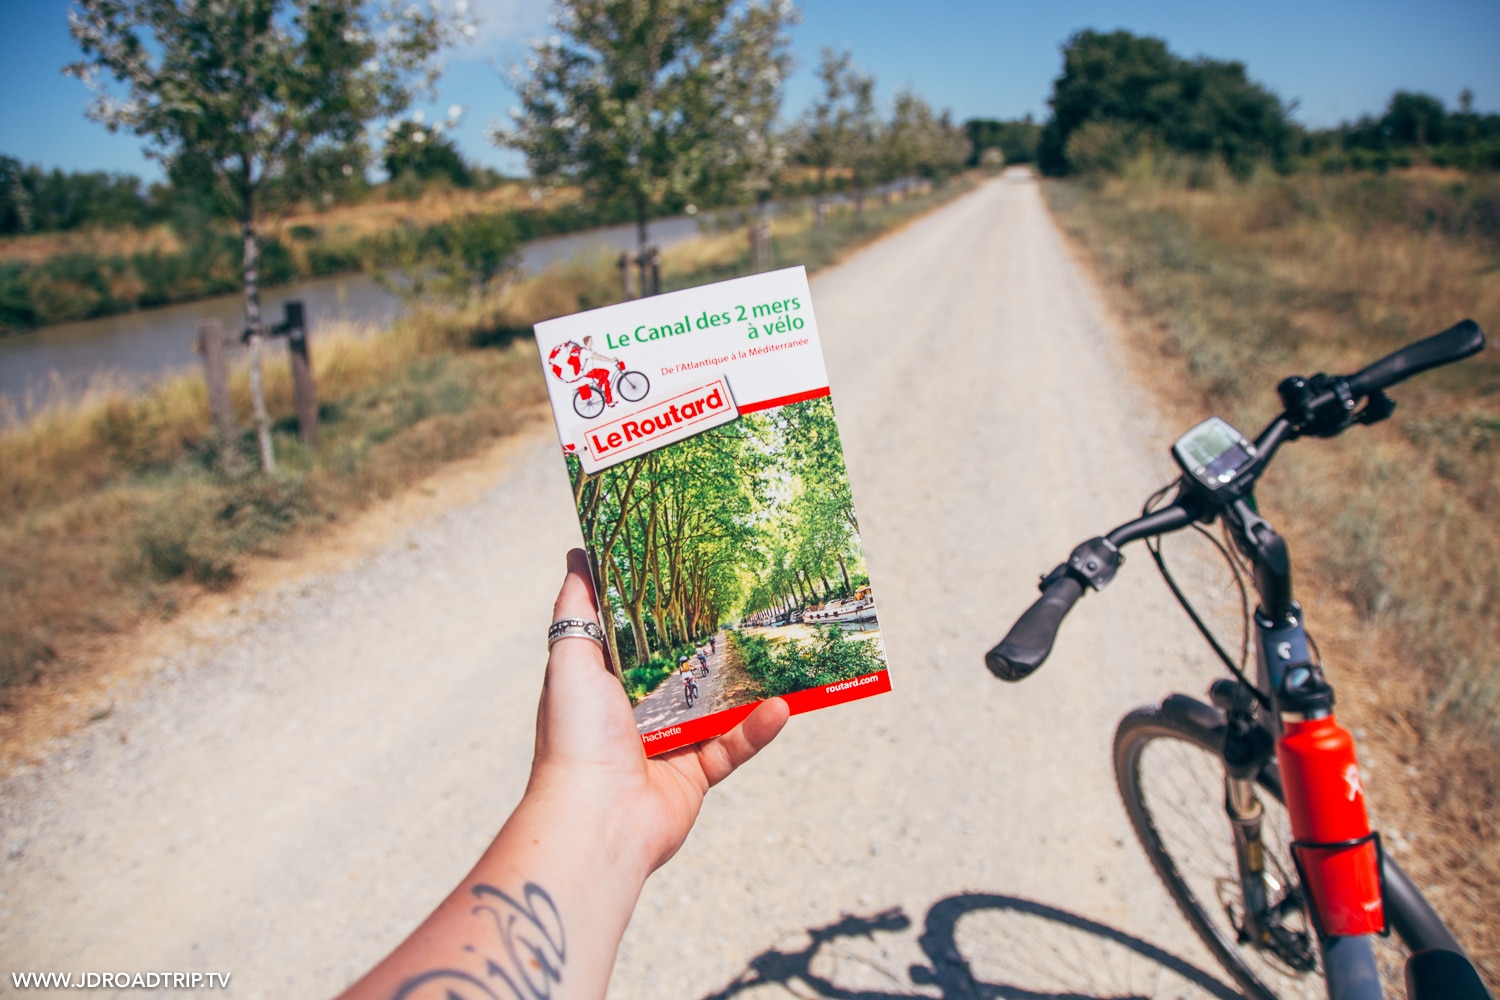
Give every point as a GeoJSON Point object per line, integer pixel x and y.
{"type": "Point", "coordinates": [437, 204]}
{"type": "Point", "coordinates": [33, 248]}
{"type": "Point", "coordinates": [1230, 288]}
{"type": "Point", "coordinates": [115, 511]}
{"type": "Point", "coordinates": [112, 511]}
{"type": "Point", "coordinates": [343, 223]}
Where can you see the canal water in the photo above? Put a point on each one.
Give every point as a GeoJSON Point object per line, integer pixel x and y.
{"type": "Point", "coordinates": [60, 362]}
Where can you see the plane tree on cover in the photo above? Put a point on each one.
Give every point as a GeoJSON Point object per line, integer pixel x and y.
{"type": "Point", "coordinates": [665, 533]}
{"type": "Point", "coordinates": [815, 529]}
{"type": "Point", "coordinates": [751, 515]}
{"type": "Point", "coordinates": [248, 92]}
{"type": "Point", "coordinates": [650, 99]}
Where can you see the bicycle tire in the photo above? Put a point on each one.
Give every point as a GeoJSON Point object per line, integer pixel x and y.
{"type": "Point", "coordinates": [1176, 805]}
{"type": "Point", "coordinates": [690, 693]}
{"type": "Point", "coordinates": [591, 407]}
{"type": "Point", "coordinates": [633, 386]}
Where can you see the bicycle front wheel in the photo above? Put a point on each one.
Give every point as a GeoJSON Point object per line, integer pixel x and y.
{"type": "Point", "coordinates": [1171, 776]}
{"type": "Point", "coordinates": [633, 386]}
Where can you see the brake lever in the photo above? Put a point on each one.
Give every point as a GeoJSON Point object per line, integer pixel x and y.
{"type": "Point", "coordinates": [1378, 406]}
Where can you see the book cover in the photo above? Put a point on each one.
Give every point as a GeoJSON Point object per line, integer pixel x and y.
{"type": "Point", "coordinates": [709, 480]}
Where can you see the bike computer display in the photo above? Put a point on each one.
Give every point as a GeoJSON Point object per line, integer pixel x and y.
{"type": "Point", "coordinates": [1213, 455]}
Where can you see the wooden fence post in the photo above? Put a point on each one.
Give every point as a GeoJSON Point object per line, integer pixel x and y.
{"type": "Point", "coordinates": [643, 268]}
{"type": "Point", "coordinates": [303, 389]}
{"type": "Point", "coordinates": [627, 280]}
{"type": "Point", "coordinates": [655, 271]}
{"type": "Point", "coordinates": [760, 243]}
{"type": "Point", "coordinates": [220, 408]}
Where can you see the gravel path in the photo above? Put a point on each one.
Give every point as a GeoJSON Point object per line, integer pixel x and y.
{"type": "Point", "coordinates": [666, 706]}
{"type": "Point", "coordinates": [289, 796]}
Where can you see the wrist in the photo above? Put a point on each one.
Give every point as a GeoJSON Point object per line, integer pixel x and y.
{"type": "Point", "coordinates": [592, 822]}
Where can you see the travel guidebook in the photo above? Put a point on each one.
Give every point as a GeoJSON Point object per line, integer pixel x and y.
{"type": "Point", "coordinates": [709, 479]}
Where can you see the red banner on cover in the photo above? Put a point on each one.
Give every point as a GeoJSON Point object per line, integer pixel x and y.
{"type": "Point", "coordinates": [697, 730]}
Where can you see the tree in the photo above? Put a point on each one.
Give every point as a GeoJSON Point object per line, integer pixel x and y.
{"type": "Point", "coordinates": [1128, 91]}
{"type": "Point", "coordinates": [1414, 120]}
{"type": "Point", "coordinates": [840, 129]}
{"type": "Point", "coordinates": [1015, 140]}
{"type": "Point", "coordinates": [920, 143]}
{"type": "Point", "coordinates": [250, 92]}
{"type": "Point", "coordinates": [416, 149]}
{"type": "Point", "coordinates": [651, 99]}
{"type": "Point", "coordinates": [36, 200]}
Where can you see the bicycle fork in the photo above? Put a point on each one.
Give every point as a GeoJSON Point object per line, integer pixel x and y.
{"type": "Point", "coordinates": [1244, 755]}
{"type": "Point", "coordinates": [1267, 897]}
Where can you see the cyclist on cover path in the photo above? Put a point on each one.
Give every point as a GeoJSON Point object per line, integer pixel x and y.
{"type": "Point", "coordinates": [703, 659]}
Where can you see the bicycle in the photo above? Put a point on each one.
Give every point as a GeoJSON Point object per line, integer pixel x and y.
{"type": "Point", "coordinates": [627, 384]}
{"type": "Point", "coordinates": [689, 690]}
{"type": "Point", "coordinates": [1250, 822]}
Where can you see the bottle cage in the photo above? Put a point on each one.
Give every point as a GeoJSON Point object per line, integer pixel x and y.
{"type": "Point", "coordinates": [1300, 847]}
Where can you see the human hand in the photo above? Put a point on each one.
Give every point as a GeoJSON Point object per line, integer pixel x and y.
{"type": "Point", "coordinates": [589, 759]}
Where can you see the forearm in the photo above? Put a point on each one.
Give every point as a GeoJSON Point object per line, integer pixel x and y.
{"type": "Point", "coordinates": [541, 914]}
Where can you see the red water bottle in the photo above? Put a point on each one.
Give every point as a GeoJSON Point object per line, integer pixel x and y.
{"type": "Point", "coordinates": [1335, 850]}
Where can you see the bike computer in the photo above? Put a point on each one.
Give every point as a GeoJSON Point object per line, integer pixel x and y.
{"type": "Point", "coordinates": [1213, 455]}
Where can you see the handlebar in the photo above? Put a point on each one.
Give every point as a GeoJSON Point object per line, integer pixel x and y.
{"type": "Point", "coordinates": [1030, 639]}
{"type": "Point", "coordinates": [1093, 563]}
{"type": "Point", "coordinates": [1454, 344]}
{"type": "Point", "coordinates": [1321, 406]}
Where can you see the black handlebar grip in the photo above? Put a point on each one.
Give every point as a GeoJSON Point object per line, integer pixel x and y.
{"type": "Point", "coordinates": [1030, 639]}
{"type": "Point", "coordinates": [1435, 973]}
{"type": "Point", "coordinates": [1453, 344]}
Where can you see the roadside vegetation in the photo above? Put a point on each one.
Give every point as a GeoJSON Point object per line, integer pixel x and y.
{"type": "Point", "coordinates": [1242, 247]}
{"type": "Point", "coordinates": [782, 666]}
{"type": "Point", "coordinates": [82, 273]}
{"type": "Point", "coordinates": [1231, 286]}
{"type": "Point", "coordinates": [117, 511]}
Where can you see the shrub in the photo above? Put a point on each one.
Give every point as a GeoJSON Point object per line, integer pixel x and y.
{"type": "Point", "coordinates": [199, 532]}
{"type": "Point", "coordinates": [782, 667]}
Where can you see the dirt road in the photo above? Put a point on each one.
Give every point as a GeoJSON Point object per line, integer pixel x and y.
{"type": "Point", "coordinates": [294, 792]}
{"type": "Point", "coordinates": [724, 686]}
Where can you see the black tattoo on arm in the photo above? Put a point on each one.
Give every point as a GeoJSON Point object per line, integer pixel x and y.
{"type": "Point", "coordinates": [526, 966]}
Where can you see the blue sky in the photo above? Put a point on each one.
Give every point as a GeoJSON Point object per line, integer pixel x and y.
{"type": "Point", "coordinates": [1337, 60]}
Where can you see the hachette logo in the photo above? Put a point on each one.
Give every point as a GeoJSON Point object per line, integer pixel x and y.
{"type": "Point", "coordinates": [672, 419]}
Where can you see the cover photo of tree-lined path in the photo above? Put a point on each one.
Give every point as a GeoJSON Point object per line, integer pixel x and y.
{"type": "Point", "coordinates": [745, 534]}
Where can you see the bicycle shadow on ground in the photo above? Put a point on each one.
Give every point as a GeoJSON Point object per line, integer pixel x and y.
{"type": "Point", "coordinates": [978, 946]}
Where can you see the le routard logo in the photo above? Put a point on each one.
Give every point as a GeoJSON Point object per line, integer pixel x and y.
{"type": "Point", "coordinates": [688, 410]}
{"type": "Point", "coordinates": [601, 381]}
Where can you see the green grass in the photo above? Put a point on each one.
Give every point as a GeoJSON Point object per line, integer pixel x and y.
{"type": "Point", "coordinates": [781, 667]}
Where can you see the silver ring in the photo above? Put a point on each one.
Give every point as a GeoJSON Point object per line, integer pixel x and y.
{"type": "Point", "coordinates": [570, 628]}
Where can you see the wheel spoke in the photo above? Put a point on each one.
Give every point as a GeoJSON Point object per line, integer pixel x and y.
{"type": "Point", "coordinates": [1178, 784]}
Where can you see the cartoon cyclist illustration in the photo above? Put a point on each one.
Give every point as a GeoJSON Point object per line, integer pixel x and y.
{"type": "Point", "coordinates": [601, 378]}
